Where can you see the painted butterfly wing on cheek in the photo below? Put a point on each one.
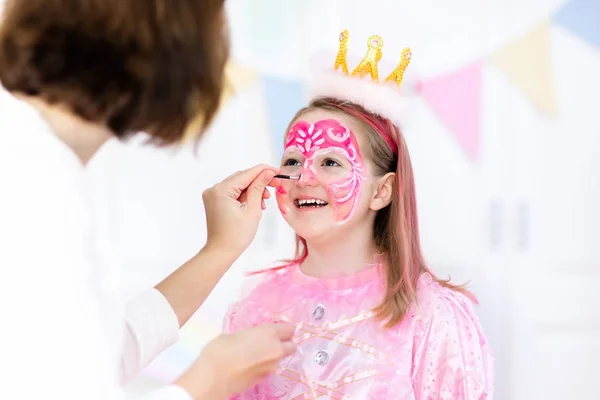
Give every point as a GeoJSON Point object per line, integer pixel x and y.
{"type": "Point", "coordinates": [345, 192]}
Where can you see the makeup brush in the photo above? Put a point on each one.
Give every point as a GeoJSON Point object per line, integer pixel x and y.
{"type": "Point", "coordinates": [287, 177]}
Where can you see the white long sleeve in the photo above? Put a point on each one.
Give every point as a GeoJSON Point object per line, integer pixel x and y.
{"type": "Point", "coordinates": [62, 331]}
{"type": "Point", "coordinates": [151, 326]}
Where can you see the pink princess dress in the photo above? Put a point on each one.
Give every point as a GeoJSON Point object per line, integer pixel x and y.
{"type": "Point", "coordinates": [438, 351]}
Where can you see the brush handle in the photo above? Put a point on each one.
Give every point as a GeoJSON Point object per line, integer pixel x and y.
{"type": "Point", "coordinates": [286, 177]}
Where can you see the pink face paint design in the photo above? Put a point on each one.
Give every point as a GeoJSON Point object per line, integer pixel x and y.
{"type": "Point", "coordinates": [315, 141]}
{"type": "Point", "coordinates": [282, 200]}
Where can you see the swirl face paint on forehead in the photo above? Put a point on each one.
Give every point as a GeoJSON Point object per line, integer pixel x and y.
{"type": "Point", "coordinates": [319, 139]}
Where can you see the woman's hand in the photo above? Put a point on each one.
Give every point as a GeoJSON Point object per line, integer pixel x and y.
{"type": "Point", "coordinates": [234, 208]}
{"type": "Point", "coordinates": [232, 363]}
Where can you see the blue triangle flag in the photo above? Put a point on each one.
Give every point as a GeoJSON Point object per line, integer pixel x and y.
{"type": "Point", "coordinates": [284, 97]}
{"type": "Point", "coordinates": [581, 17]}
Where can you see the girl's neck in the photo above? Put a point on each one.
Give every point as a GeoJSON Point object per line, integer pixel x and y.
{"type": "Point", "coordinates": [341, 257]}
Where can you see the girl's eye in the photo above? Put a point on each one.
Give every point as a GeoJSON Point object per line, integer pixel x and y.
{"type": "Point", "coordinates": [331, 163]}
{"type": "Point", "coordinates": [291, 162]}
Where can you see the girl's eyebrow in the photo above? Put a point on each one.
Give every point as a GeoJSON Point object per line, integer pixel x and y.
{"type": "Point", "coordinates": [291, 150]}
{"type": "Point", "coordinates": [331, 150]}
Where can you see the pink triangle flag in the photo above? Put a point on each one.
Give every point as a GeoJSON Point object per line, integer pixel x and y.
{"type": "Point", "coordinates": [456, 99]}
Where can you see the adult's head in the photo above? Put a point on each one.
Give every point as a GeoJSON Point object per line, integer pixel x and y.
{"type": "Point", "coordinates": [155, 66]}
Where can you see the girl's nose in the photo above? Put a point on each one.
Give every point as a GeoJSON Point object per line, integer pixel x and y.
{"type": "Point", "coordinates": [307, 177]}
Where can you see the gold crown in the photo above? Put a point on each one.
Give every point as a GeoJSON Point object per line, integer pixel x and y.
{"type": "Point", "coordinates": [368, 65]}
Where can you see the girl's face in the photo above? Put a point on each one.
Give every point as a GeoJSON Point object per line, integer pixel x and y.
{"type": "Point", "coordinates": [336, 185]}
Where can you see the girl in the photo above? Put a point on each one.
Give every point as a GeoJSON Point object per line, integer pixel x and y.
{"type": "Point", "coordinates": [373, 322]}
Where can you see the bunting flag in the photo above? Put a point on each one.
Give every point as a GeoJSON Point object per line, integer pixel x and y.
{"type": "Point", "coordinates": [581, 17]}
{"type": "Point", "coordinates": [526, 61]}
{"type": "Point", "coordinates": [237, 78]}
{"type": "Point", "coordinates": [456, 99]}
{"type": "Point", "coordinates": [283, 99]}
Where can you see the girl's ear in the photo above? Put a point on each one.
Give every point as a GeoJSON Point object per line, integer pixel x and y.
{"type": "Point", "coordinates": [383, 194]}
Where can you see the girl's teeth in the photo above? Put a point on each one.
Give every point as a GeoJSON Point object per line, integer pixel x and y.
{"type": "Point", "coordinates": [311, 202]}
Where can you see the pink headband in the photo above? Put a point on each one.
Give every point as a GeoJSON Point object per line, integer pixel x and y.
{"type": "Point", "coordinates": [376, 123]}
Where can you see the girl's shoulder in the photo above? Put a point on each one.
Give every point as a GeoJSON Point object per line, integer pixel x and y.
{"type": "Point", "coordinates": [438, 304]}
{"type": "Point", "coordinates": [449, 344]}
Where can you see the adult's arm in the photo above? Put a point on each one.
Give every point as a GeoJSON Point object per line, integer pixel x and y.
{"type": "Point", "coordinates": [233, 210]}
{"type": "Point", "coordinates": [153, 319]}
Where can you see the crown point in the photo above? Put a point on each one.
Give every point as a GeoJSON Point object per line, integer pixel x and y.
{"type": "Point", "coordinates": [340, 61]}
{"type": "Point", "coordinates": [397, 74]}
{"type": "Point", "coordinates": [375, 42]}
{"type": "Point", "coordinates": [343, 35]}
